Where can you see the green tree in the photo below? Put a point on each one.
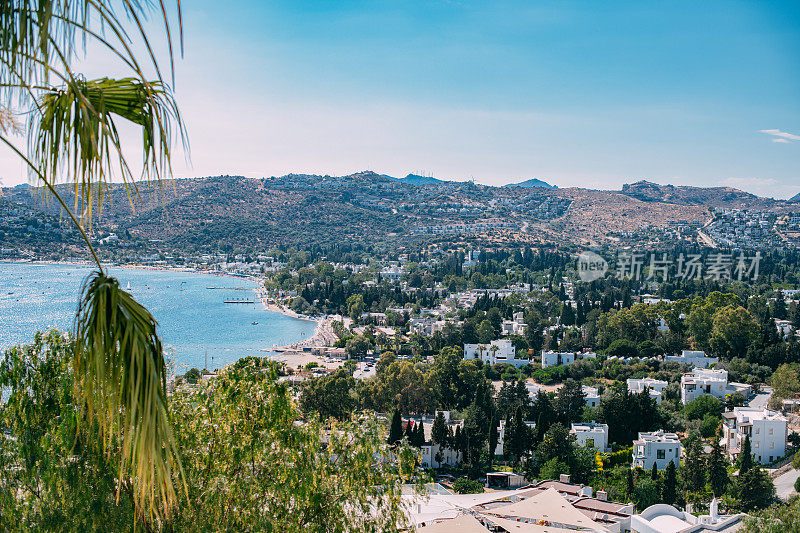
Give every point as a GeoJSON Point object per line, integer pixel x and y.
{"type": "Point", "coordinates": [654, 472]}
{"type": "Point", "coordinates": [440, 432]}
{"type": "Point", "coordinates": [73, 124]}
{"type": "Point", "coordinates": [745, 461]}
{"type": "Point", "coordinates": [192, 376]}
{"type": "Point", "coordinates": [693, 471]}
{"type": "Point", "coordinates": [358, 346]}
{"type": "Point", "coordinates": [645, 493]}
{"type": "Point", "coordinates": [717, 469]}
{"type": "Point", "coordinates": [494, 437]}
{"type": "Point", "coordinates": [669, 489]}
{"type": "Point", "coordinates": [734, 329]}
{"type": "Point", "coordinates": [395, 428]}
{"type": "Point", "coordinates": [330, 396]}
{"type": "Point", "coordinates": [485, 332]}
{"type": "Point", "coordinates": [465, 485]}
{"type": "Point", "coordinates": [570, 402]}
{"type": "Point", "coordinates": [701, 406]}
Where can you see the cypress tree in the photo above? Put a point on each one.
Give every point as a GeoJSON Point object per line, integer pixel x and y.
{"type": "Point", "coordinates": [440, 433]}
{"type": "Point", "coordinates": [746, 457]}
{"type": "Point", "coordinates": [419, 436]}
{"type": "Point", "coordinates": [395, 428]}
{"type": "Point", "coordinates": [494, 436]}
{"type": "Point", "coordinates": [409, 431]}
{"type": "Point", "coordinates": [669, 490]}
{"type": "Point", "coordinates": [629, 483]}
{"type": "Point", "coordinates": [654, 472]}
{"type": "Point", "coordinates": [717, 473]}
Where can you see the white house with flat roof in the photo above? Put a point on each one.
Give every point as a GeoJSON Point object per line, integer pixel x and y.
{"type": "Point", "coordinates": [655, 386]}
{"type": "Point", "coordinates": [592, 396]}
{"type": "Point", "coordinates": [591, 434]}
{"type": "Point", "coordinates": [551, 358]}
{"type": "Point", "coordinates": [697, 358]}
{"type": "Point", "coordinates": [704, 381]}
{"type": "Point", "coordinates": [766, 429]}
{"type": "Point", "coordinates": [656, 447]}
{"type": "Point", "coordinates": [497, 351]}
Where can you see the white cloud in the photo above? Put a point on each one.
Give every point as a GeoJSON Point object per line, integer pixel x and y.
{"type": "Point", "coordinates": [781, 136]}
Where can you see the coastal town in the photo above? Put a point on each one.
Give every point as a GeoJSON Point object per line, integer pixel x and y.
{"type": "Point", "coordinates": [398, 267]}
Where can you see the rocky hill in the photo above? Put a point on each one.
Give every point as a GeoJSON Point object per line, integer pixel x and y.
{"type": "Point", "coordinates": [685, 195]}
{"type": "Point", "coordinates": [299, 209]}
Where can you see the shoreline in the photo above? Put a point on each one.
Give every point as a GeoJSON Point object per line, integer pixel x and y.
{"type": "Point", "coordinates": [322, 332]}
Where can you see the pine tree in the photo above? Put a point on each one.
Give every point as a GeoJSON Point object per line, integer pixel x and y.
{"type": "Point", "coordinates": [395, 428]}
{"type": "Point", "coordinates": [717, 471]}
{"type": "Point", "coordinates": [669, 489]}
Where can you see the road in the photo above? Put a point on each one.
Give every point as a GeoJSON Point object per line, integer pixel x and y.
{"type": "Point", "coordinates": [760, 400]}
{"type": "Point", "coordinates": [784, 484]}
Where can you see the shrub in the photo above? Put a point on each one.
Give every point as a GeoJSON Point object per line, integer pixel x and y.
{"type": "Point", "coordinates": [465, 485]}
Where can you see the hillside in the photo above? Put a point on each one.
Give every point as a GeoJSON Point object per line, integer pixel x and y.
{"type": "Point", "coordinates": [234, 212]}
{"type": "Point", "coordinates": [686, 195]}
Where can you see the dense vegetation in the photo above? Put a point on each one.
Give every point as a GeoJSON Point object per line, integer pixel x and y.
{"type": "Point", "coordinates": [250, 460]}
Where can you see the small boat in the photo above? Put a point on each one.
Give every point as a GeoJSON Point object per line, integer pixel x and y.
{"type": "Point", "coordinates": [128, 286]}
{"type": "Point", "coordinates": [254, 323]}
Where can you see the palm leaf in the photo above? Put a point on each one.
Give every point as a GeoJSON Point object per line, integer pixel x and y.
{"type": "Point", "coordinates": [77, 133]}
{"type": "Point", "coordinates": [120, 372]}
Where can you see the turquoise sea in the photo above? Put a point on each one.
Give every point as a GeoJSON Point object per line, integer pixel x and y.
{"type": "Point", "coordinates": [194, 321]}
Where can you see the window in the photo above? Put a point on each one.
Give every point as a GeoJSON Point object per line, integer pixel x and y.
{"type": "Point", "coordinates": [772, 446]}
{"type": "Point", "coordinates": [755, 444]}
{"type": "Point", "coordinates": [757, 431]}
{"type": "Point", "coordinates": [661, 454]}
{"type": "Point", "coordinates": [676, 452]}
{"type": "Point", "coordinates": [771, 431]}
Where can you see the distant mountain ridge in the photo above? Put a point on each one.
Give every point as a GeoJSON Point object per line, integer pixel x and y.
{"type": "Point", "coordinates": [416, 179]}
{"type": "Point", "coordinates": [795, 198]}
{"type": "Point", "coordinates": [533, 182]}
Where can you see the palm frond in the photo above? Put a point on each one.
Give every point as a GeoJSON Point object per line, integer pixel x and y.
{"type": "Point", "coordinates": [120, 372]}
{"type": "Point", "coordinates": [77, 134]}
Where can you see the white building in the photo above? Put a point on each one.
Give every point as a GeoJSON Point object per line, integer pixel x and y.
{"type": "Point", "coordinates": [703, 381]}
{"type": "Point", "coordinates": [592, 396]}
{"type": "Point", "coordinates": [551, 358]}
{"type": "Point", "coordinates": [695, 358]}
{"type": "Point", "coordinates": [766, 429]}
{"type": "Point", "coordinates": [656, 447]}
{"type": "Point", "coordinates": [591, 434]}
{"type": "Point", "coordinates": [497, 351]}
{"type": "Point", "coordinates": [429, 450]}
{"type": "Point", "coordinates": [655, 386]}
{"type": "Point", "coordinates": [501, 435]}
{"type": "Point", "coordinates": [663, 518]}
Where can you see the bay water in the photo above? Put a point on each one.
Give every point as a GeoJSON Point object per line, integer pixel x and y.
{"type": "Point", "coordinates": [195, 323]}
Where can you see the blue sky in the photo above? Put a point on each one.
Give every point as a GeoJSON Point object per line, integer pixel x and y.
{"type": "Point", "coordinates": [592, 94]}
